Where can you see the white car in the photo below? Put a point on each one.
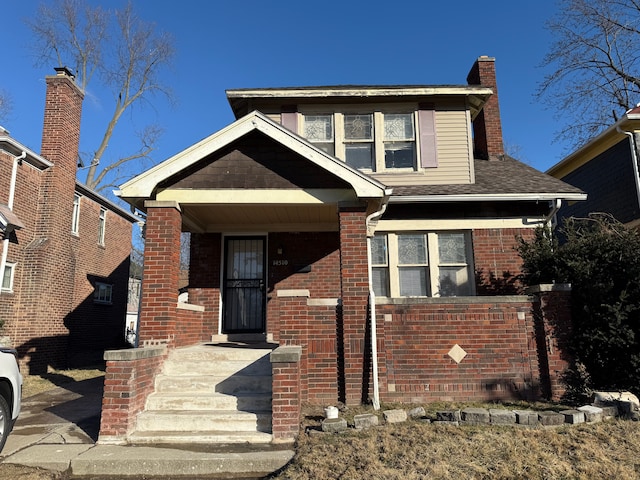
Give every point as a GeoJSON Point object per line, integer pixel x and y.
{"type": "Point", "coordinates": [10, 392]}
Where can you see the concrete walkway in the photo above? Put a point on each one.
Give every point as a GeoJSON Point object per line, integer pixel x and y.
{"type": "Point", "coordinates": [58, 430]}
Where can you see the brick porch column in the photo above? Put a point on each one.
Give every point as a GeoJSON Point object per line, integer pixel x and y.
{"type": "Point", "coordinates": [553, 324]}
{"type": "Point", "coordinates": [355, 290]}
{"type": "Point", "coordinates": [158, 310]}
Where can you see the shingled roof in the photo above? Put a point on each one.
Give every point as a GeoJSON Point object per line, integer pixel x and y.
{"type": "Point", "coordinates": [498, 177]}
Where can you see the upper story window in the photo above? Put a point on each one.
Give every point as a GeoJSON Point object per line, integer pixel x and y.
{"type": "Point", "coordinates": [75, 219]}
{"type": "Point", "coordinates": [368, 141]}
{"type": "Point", "coordinates": [102, 223]}
{"type": "Point", "coordinates": [358, 141]}
{"type": "Point", "coordinates": [318, 129]}
{"type": "Point", "coordinates": [399, 141]}
{"type": "Point", "coordinates": [422, 264]}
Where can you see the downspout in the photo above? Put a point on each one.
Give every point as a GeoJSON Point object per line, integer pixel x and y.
{"type": "Point", "coordinates": [549, 220]}
{"type": "Point", "coordinates": [634, 158]}
{"type": "Point", "coordinates": [372, 305]}
{"type": "Point", "coordinates": [12, 191]}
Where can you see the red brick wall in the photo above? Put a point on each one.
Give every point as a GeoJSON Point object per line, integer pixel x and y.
{"type": "Point", "coordinates": [204, 278]}
{"type": "Point", "coordinates": [487, 127]}
{"type": "Point", "coordinates": [355, 291]}
{"type": "Point", "coordinates": [189, 328]}
{"type": "Point", "coordinates": [50, 316]}
{"type": "Point", "coordinates": [129, 379]}
{"type": "Point", "coordinates": [498, 336]}
{"type": "Point", "coordinates": [160, 276]}
{"type": "Point", "coordinates": [497, 263]}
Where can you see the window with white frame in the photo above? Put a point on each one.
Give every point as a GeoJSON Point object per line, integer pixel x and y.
{"type": "Point", "coordinates": [422, 264]}
{"type": "Point", "coordinates": [102, 222]}
{"type": "Point", "coordinates": [102, 293]}
{"type": "Point", "coordinates": [318, 129]}
{"type": "Point", "coordinates": [75, 219]}
{"type": "Point", "coordinates": [358, 141]}
{"type": "Point", "coordinates": [7, 277]}
{"type": "Point", "coordinates": [369, 141]}
{"type": "Point", "coordinates": [399, 141]}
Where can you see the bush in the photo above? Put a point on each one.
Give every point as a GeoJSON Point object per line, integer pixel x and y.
{"type": "Point", "coordinates": [600, 258]}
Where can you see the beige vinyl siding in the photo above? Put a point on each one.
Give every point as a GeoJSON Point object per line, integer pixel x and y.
{"type": "Point", "coordinates": [453, 133]}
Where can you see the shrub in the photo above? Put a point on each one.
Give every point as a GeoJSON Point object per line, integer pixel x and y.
{"type": "Point", "coordinates": [600, 257]}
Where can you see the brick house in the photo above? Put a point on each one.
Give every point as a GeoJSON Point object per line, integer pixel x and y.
{"type": "Point", "coordinates": [367, 231]}
{"type": "Point", "coordinates": [65, 248]}
{"type": "Point", "coordinates": [607, 169]}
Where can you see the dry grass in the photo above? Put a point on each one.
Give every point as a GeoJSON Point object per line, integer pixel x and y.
{"type": "Point", "coordinates": [418, 450]}
{"type": "Point", "coordinates": [34, 384]}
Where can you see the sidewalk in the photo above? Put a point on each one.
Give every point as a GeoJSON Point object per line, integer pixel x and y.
{"type": "Point", "coordinates": [58, 430]}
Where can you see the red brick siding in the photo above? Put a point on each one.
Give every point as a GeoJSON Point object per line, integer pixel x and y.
{"type": "Point", "coordinates": [496, 260]}
{"type": "Point", "coordinates": [160, 276]}
{"type": "Point", "coordinates": [204, 278]}
{"type": "Point", "coordinates": [189, 328]}
{"type": "Point", "coordinates": [286, 400]}
{"type": "Point", "coordinates": [355, 290]}
{"type": "Point", "coordinates": [50, 316]}
{"type": "Point", "coordinates": [413, 348]}
{"type": "Point", "coordinates": [127, 385]}
{"type": "Point", "coordinates": [487, 126]}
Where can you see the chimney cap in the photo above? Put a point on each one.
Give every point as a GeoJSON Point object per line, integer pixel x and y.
{"type": "Point", "coordinates": [64, 71]}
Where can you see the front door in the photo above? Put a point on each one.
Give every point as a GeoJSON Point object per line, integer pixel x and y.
{"type": "Point", "coordinates": [244, 285]}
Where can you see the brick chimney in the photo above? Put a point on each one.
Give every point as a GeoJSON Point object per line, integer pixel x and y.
{"type": "Point", "coordinates": [62, 112]}
{"type": "Point", "coordinates": [60, 143]}
{"type": "Point", "coordinates": [487, 127]}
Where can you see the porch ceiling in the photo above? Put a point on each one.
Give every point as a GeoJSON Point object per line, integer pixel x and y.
{"type": "Point", "coordinates": [259, 217]}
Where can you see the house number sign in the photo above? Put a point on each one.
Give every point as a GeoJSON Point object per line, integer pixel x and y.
{"type": "Point", "coordinates": [280, 263]}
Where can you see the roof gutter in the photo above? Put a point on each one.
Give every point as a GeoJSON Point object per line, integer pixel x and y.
{"type": "Point", "coordinates": [508, 197]}
{"type": "Point", "coordinates": [634, 159]}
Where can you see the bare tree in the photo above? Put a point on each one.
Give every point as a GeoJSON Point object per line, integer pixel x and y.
{"type": "Point", "coordinates": [595, 62]}
{"type": "Point", "coordinates": [117, 48]}
{"type": "Point", "coordinates": [6, 105]}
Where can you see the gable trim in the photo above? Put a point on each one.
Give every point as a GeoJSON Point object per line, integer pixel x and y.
{"type": "Point", "coordinates": [144, 185]}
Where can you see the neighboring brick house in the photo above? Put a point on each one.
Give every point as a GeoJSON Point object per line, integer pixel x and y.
{"type": "Point", "coordinates": [65, 248]}
{"type": "Point", "coordinates": [374, 227]}
{"type": "Point", "coordinates": [607, 169]}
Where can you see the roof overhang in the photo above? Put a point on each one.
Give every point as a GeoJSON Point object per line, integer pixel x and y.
{"type": "Point", "coordinates": [242, 99]}
{"type": "Point", "coordinates": [507, 197]}
{"type": "Point", "coordinates": [145, 186]}
{"type": "Point", "coordinates": [9, 221]}
{"type": "Point", "coordinates": [15, 148]}
{"type": "Point", "coordinates": [630, 122]}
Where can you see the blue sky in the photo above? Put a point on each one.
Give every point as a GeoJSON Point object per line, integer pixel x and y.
{"type": "Point", "coordinates": [253, 43]}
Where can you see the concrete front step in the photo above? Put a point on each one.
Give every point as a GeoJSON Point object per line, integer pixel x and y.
{"type": "Point", "coordinates": [204, 421]}
{"type": "Point", "coordinates": [199, 438]}
{"type": "Point", "coordinates": [211, 366]}
{"type": "Point", "coordinates": [234, 384]}
{"type": "Point", "coordinates": [248, 402]}
{"type": "Point", "coordinates": [210, 352]}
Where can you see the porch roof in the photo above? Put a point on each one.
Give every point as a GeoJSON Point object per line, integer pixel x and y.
{"type": "Point", "coordinates": [151, 184]}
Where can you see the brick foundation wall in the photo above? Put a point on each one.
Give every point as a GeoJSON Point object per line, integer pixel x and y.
{"type": "Point", "coordinates": [129, 379]}
{"type": "Point", "coordinates": [498, 337]}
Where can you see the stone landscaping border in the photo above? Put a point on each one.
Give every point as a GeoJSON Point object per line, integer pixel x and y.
{"type": "Point", "coordinates": [604, 408]}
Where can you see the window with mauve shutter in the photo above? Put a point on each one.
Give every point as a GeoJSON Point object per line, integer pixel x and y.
{"type": "Point", "coordinates": [427, 127]}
